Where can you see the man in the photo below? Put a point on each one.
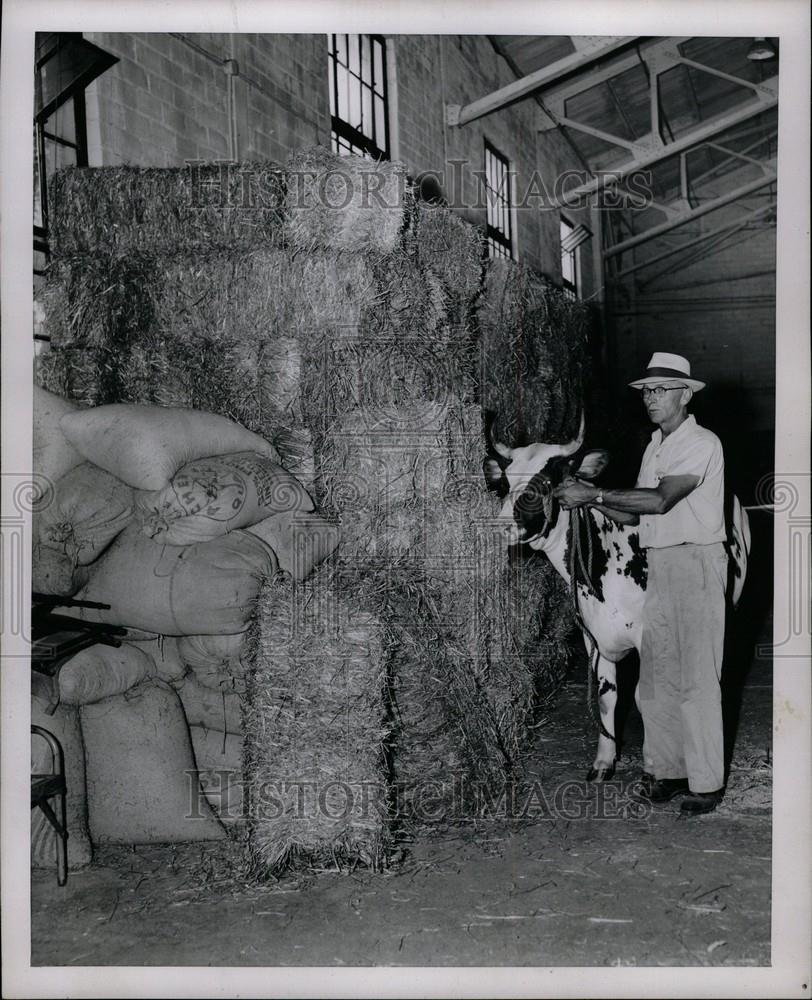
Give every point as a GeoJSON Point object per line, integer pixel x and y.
{"type": "Point", "coordinates": [679, 499]}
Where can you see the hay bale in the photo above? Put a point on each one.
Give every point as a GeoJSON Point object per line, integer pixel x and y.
{"type": "Point", "coordinates": [315, 726]}
{"type": "Point", "coordinates": [88, 376]}
{"type": "Point", "coordinates": [343, 201]}
{"type": "Point", "coordinates": [125, 209]}
{"type": "Point", "coordinates": [533, 353]}
{"type": "Point", "coordinates": [408, 458]}
{"type": "Point", "coordinates": [277, 343]}
{"type": "Point", "coordinates": [222, 294]}
{"type": "Point", "coordinates": [453, 250]}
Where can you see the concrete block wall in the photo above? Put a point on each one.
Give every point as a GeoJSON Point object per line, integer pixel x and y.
{"type": "Point", "coordinates": [435, 70]}
{"type": "Point", "coordinates": [166, 102]}
{"type": "Point", "coordinates": [720, 313]}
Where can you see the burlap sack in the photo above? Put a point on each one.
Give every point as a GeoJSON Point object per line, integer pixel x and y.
{"type": "Point", "coordinates": [205, 589]}
{"type": "Point", "coordinates": [101, 672]}
{"type": "Point", "coordinates": [142, 784]}
{"type": "Point", "coordinates": [219, 764]}
{"type": "Point", "coordinates": [89, 508]}
{"type": "Point", "coordinates": [211, 496]}
{"type": "Point", "coordinates": [55, 571]}
{"type": "Point", "coordinates": [300, 540]}
{"type": "Point", "coordinates": [220, 710]}
{"type": "Point", "coordinates": [212, 653]}
{"type": "Point", "coordinates": [145, 445]}
{"type": "Point", "coordinates": [53, 455]}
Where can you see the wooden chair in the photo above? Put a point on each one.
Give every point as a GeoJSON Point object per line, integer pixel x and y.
{"type": "Point", "coordinates": [49, 786]}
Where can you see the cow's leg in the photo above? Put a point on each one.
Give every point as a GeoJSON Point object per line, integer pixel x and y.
{"type": "Point", "coordinates": [603, 767]}
{"type": "Point", "coordinates": [648, 763]}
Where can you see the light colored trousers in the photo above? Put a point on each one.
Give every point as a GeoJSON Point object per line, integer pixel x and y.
{"type": "Point", "coordinates": [681, 663]}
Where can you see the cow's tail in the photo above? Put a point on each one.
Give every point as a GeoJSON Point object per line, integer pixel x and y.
{"type": "Point", "coordinates": [738, 549]}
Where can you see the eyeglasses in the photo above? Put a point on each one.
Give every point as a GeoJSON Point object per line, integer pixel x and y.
{"type": "Point", "coordinates": [657, 390]}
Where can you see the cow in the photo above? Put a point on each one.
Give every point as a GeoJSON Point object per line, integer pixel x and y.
{"type": "Point", "coordinates": [610, 591]}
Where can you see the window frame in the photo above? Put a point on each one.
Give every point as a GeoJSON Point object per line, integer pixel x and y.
{"type": "Point", "coordinates": [49, 47]}
{"type": "Point", "coordinates": [501, 244]}
{"type": "Point", "coordinates": [571, 289]}
{"type": "Point", "coordinates": [343, 131]}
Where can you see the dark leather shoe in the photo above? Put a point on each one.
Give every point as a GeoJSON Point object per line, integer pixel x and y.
{"type": "Point", "coordinates": [665, 789]}
{"type": "Point", "coordinates": [701, 802]}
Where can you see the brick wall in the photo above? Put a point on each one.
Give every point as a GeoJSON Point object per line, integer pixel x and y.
{"type": "Point", "coordinates": [166, 101]}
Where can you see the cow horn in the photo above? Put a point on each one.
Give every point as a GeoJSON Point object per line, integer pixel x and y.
{"type": "Point", "coordinates": [575, 444]}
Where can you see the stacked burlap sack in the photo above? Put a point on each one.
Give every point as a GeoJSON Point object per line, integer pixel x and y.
{"type": "Point", "coordinates": [174, 518]}
{"type": "Point", "coordinates": [358, 331]}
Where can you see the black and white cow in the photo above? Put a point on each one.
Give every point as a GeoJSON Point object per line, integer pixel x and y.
{"type": "Point", "coordinates": [611, 605]}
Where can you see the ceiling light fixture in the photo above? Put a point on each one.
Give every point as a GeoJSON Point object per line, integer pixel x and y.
{"type": "Point", "coordinates": [760, 50]}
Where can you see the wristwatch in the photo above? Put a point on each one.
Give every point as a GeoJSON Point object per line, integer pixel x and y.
{"type": "Point", "coordinates": [599, 497]}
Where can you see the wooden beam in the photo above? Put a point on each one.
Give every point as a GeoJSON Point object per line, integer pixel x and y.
{"type": "Point", "coordinates": [458, 115]}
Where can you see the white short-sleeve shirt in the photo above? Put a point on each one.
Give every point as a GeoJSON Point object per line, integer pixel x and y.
{"type": "Point", "coordinates": [699, 518]}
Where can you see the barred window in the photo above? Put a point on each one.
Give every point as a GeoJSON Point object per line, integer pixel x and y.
{"type": "Point", "coordinates": [570, 260]}
{"type": "Point", "coordinates": [359, 108]}
{"type": "Point", "coordinates": [498, 203]}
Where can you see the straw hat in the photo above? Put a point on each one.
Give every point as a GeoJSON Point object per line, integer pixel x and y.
{"type": "Point", "coordinates": [668, 366]}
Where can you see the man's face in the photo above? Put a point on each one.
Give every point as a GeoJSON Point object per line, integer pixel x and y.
{"type": "Point", "coordinates": [665, 400]}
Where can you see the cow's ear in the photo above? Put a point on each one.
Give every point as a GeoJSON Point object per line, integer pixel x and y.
{"type": "Point", "coordinates": [593, 464]}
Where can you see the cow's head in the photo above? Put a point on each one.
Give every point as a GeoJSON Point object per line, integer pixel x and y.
{"type": "Point", "coordinates": [526, 477]}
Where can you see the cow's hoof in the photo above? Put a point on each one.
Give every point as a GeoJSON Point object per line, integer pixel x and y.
{"type": "Point", "coordinates": [601, 773]}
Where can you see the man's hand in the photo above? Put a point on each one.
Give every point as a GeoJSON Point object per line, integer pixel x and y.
{"type": "Point", "coordinates": [571, 493]}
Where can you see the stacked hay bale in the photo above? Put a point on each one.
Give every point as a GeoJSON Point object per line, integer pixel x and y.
{"type": "Point", "coordinates": [352, 329]}
{"type": "Point", "coordinates": [534, 356]}
{"type": "Point", "coordinates": [316, 725]}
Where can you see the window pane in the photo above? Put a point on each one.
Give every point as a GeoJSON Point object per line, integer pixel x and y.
{"type": "Point", "coordinates": [331, 83]}
{"type": "Point", "coordinates": [354, 117]}
{"type": "Point", "coordinates": [37, 192]}
{"type": "Point", "coordinates": [343, 104]}
{"type": "Point", "coordinates": [367, 124]}
{"type": "Point", "coordinates": [331, 46]}
{"type": "Point", "coordinates": [380, 123]}
{"type": "Point", "coordinates": [567, 268]}
{"type": "Point", "coordinates": [58, 156]}
{"type": "Point", "coordinates": [341, 47]}
{"type": "Point", "coordinates": [63, 122]}
{"type": "Point", "coordinates": [366, 60]}
{"type": "Point", "coordinates": [380, 80]}
{"type": "Point", "coordinates": [355, 55]}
